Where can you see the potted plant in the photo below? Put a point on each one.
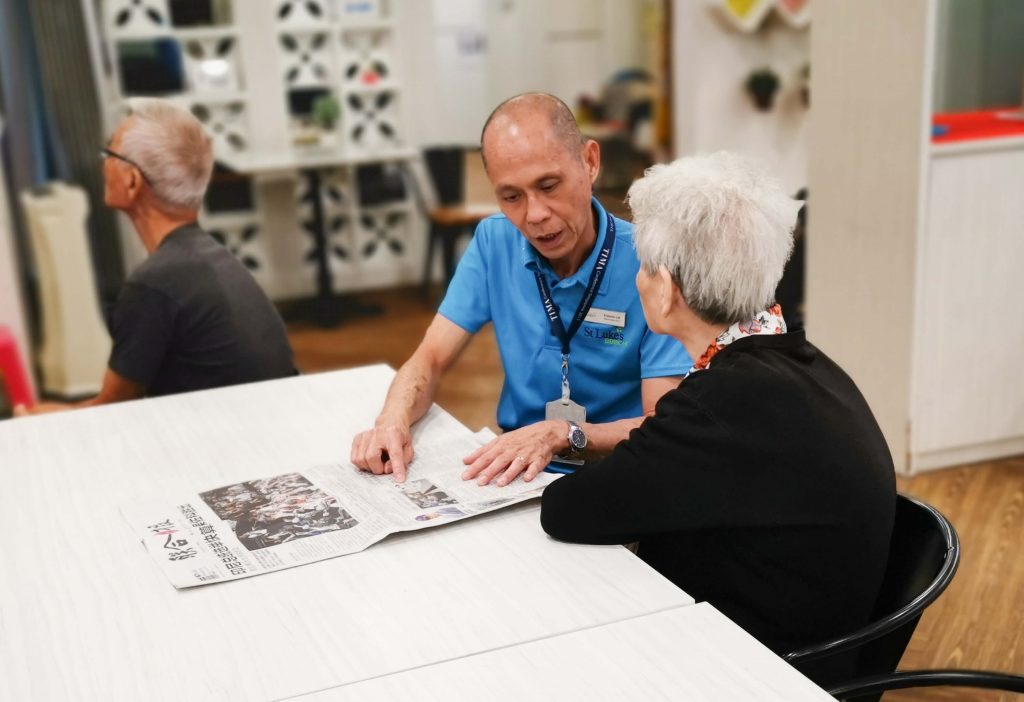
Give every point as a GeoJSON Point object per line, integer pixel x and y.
{"type": "Point", "coordinates": [326, 112]}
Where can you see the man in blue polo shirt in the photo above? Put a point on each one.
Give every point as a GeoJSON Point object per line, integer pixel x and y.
{"type": "Point", "coordinates": [555, 274]}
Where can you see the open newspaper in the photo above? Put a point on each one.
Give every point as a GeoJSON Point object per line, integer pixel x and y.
{"type": "Point", "coordinates": [267, 524]}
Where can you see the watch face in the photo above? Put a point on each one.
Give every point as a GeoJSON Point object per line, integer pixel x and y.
{"type": "Point", "coordinates": [578, 439]}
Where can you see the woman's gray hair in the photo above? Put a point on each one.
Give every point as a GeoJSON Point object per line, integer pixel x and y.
{"type": "Point", "coordinates": [721, 226]}
{"type": "Point", "coordinates": [171, 148]}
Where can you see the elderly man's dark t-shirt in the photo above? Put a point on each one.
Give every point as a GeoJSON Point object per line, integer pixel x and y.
{"type": "Point", "coordinates": [191, 317]}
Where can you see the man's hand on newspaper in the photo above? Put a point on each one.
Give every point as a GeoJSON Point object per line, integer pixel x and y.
{"type": "Point", "coordinates": [387, 448]}
{"type": "Point", "coordinates": [527, 451]}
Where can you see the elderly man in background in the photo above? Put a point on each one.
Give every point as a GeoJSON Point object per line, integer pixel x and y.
{"type": "Point", "coordinates": [762, 484]}
{"type": "Point", "coordinates": [190, 317]}
{"type": "Point", "coordinates": [554, 274]}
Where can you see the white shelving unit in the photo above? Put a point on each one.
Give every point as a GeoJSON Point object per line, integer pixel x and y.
{"type": "Point", "coordinates": [242, 74]}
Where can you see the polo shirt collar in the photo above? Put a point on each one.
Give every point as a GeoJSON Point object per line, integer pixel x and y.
{"type": "Point", "coordinates": [534, 261]}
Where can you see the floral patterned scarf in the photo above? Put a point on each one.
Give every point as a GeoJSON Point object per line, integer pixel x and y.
{"type": "Point", "coordinates": [769, 321]}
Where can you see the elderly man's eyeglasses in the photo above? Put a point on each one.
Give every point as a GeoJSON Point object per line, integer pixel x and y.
{"type": "Point", "coordinates": [107, 153]}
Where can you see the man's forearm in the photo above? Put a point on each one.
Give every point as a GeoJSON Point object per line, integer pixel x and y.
{"type": "Point", "coordinates": [602, 438]}
{"type": "Point", "coordinates": [115, 388]}
{"type": "Point", "coordinates": [414, 387]}
{"type": "Point", "coordinates": [411, 392]}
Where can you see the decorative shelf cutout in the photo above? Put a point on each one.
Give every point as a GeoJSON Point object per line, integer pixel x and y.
{"type": "Point", "coordinates": [371, 121]}
{"type": "Point", "coordinates": [336, 199]}
{"type": "Point", "coordinates": [243, 239]}
{"type": "Point", "coordinates": [367, 57]}
{"type": "Point", "coordinates": [340, 239]}
{"type": "Point", "coordinates": [137, 16]}
{"type": "Point", "coordinates": [213, 63]}
{"type": "Point", "coordinates": [302, 12]}
{"type": "Point", "coordinates": [335, 196]}
{"type": "Point", "coordinates": [385, 234]}
{"type": "Point", "coordinates": [307, 59]}
{"type": "Point", "coordinates": [227, 123]}
{"type": "Point", "coordinates": [749, 15]}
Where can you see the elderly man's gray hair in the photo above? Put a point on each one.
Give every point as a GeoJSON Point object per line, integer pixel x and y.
{"type": "Point", "coordinates": [172, 149]}
{"type": "Point", "coordinates": [721, 226]}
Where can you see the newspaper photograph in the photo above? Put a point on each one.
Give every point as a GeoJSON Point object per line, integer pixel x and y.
{"type": "Point", "coordinates": [265, 524]}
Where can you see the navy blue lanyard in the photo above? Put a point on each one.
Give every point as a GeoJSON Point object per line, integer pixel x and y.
{"type": "Point", "coordinates": [551, 309]}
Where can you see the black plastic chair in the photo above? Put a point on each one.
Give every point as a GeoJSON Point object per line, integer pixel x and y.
{"type": "Point", "coordinates": [923, 556]}
{"type": "Point", "coordinates": [877, 684]}
{"type": "Point", "coordinates": [448, 216]}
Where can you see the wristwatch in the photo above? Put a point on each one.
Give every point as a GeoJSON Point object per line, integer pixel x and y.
{"type": "Point", "coordinates": [577, 440]}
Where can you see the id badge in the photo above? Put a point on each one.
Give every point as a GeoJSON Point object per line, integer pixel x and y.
{"type": "Point", "coordinates": [565, 410]}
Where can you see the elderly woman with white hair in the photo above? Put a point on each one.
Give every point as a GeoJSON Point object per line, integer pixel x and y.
{"type": "Point", "coordinates": [762, 484]}
{"type": "Point", "coordinates": [190, 317]}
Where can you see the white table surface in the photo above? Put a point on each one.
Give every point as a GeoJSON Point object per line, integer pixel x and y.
{"type": "Point", "coordinates": [86, 615]}
{"type": "Point", "coordinates": [299, 158]}
{"type": "Point", "coordinates": [689, 653]}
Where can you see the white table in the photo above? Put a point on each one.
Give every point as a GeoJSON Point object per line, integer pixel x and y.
{"type": "Point", "coordinates": [86, 615]}
{"type": "Point", "coordinates": [690, 653]}
{"type": "Point", "coordinates": [289, 160]}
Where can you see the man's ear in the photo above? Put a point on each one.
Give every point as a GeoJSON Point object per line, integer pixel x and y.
{"type": "Point", "coordinates": [135, 183]}
{"type": "Point", "coordinates": [592, 159]}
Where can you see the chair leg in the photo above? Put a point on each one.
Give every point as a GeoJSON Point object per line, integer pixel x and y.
{"type": "Point", "coordinates": [428, 260]}
{"type": "Point", "coordinates": [451, 236]}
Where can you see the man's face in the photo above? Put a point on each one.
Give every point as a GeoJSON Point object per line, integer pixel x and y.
{"type": "Point", "coordinates": [117, 175]}
{"type": "Point", "coordinates": [541, 187]}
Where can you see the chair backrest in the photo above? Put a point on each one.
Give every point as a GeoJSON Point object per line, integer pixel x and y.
{"type": "Point", "coordinates": [903, 679]}
{"type": "Point", "coordinates": [446, 165]}
{"type": "Point", "coordinates": [923, 556]}
{"type": "Point", "coordinates": [380, 184]}
{"type": "Point", "coordinates": [924, 553]}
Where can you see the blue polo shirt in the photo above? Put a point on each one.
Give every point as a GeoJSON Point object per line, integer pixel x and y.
{"type": "Point", "coordinates": [495, 282]}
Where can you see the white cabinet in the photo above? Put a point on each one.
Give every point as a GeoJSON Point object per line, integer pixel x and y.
{"type": "Point", "coordinates": [914, 249]}
{"type": "Point", "coordinates": [968, 373]}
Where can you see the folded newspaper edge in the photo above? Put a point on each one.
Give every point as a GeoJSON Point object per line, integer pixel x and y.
{"type": "Point", "coordinates": [268, 524]}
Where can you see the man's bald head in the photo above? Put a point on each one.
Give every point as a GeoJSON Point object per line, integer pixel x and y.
{"type": "Point", "coordinates": [560, 117]}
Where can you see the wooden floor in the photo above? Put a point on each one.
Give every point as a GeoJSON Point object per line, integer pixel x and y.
{"type": "Point", "coordinates": [977, 623]}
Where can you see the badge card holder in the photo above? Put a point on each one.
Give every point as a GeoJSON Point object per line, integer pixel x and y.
{"type": "Point", "coordinates": [566, 410]}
